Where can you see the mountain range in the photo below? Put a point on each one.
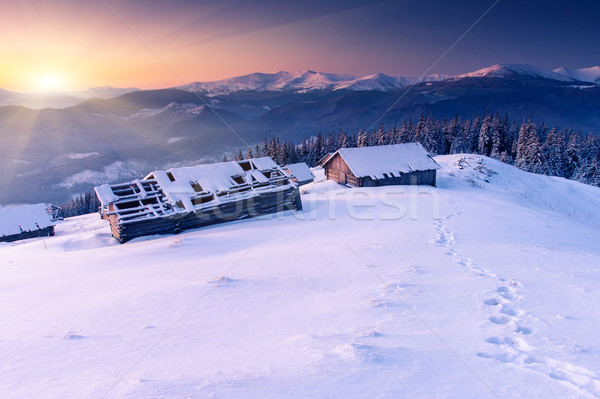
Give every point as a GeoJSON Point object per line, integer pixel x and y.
{"type": "Point", "coordinates": [311, 81]}
{"type": "Point", "coordinates": [300, 82]}
{"type": "Point", "coordinates": [50, 154]}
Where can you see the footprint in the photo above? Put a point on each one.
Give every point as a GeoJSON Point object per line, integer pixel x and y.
{"type": "Point", "coordinates": [531, 360]}
{"type": "Point", "coordinates": [73, 337]}
{"type": "Point", "coordinates": [500, 320]}
{"type": "Point", "coordinates": [371, 334]}
{"type": "Point", "coordinates": [523, 330]}
{"type": "Point", "coordinates": [496, 340]}
{"type": "Point", "coordinates": [510, 311]}
{"type": "Point", "coordinates": [501, 357]}
{"type": "Point", "coordinates": [517, 343]}
{"type": "Point", "coordinates": [507, 293]}
{"type": "Point", "coordinates": [491, 302]}
{"type": "Point", "coordinates": [380, 303]}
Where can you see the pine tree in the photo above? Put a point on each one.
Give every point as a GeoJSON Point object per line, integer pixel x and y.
{"type": "Point", "coordinates": [264, 149]}
{"type": "Point", "coordinates": [499, 130]}
{"type": "Point", "coordinates": [239, 156]}
{"type": "Point", "coordinates": [554, 153]}
{"type": "Point", "coordinates": [363, 139]}
{"type": "Point", "coordinates": [342, 139]}
{"type": "Point", "coordinates": [572, 157]}
{"type": "Point", "coordinates": [530, 156]}
{"type": "Point", "coordinates": [406, 135]}
{"type": "Point", "coordinates": [380, 136]}
{"type": "Point", "coordinates": [484, 146]}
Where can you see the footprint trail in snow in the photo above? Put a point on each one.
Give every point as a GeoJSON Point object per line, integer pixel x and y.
{"type": "Point", "coordinates": [514, 325]}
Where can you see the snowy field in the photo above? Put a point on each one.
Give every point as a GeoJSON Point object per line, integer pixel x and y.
{"type": "Point", "coordinates": [485, 287]}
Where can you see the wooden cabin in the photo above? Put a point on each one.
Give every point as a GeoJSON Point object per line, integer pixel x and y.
{"type": "Point", "coordinates": [25, 221]}
{"type": "Point", "coordinates": [178, 199]}
{"type": "Point", "coordinates": [325, 158]}
{"type": "Point", "coordinates": [398, 164]}
{"type": "Point", "coordinates": [300, 173]}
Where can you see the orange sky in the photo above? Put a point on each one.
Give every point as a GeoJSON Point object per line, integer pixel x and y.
{"type": "Point", "coordinates": [62, 45]}
{"type": "Point", "coordinates": [66, 45]}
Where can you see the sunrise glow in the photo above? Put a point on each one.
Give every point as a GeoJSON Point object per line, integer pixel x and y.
{"type": "Point", "coordinates": [48, 82]}
{"type": "Point", "coordinates": [69, 45]}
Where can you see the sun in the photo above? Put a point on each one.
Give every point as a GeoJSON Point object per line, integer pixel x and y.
{"type": "Point", "coordinates": [48, 82]}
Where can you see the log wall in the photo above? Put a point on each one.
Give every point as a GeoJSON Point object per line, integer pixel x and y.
{"type": "Point", "coordinates": [422, 177]}
{"type": "Point", "coordinates": [45, 232]}
{"type": "Point", "coordinates": [263, 204]}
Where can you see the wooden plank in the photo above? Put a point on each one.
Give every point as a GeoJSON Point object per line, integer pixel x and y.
{"type": "Point", "coordinates": [45, 232]}
{"type": "Point", "coordinates": [234, 210]}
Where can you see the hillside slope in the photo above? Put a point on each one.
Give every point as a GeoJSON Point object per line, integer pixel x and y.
{"type": "Point", "coordinates": [484, 287]}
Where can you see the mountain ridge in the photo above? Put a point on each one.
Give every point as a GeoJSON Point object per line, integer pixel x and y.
{"type": "Point", "coordinates": [303, 82]}
{"type": "Point", "coordinates": [310, 80]}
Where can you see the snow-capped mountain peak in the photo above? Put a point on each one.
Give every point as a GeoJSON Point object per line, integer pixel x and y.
{"type": "Point", "coordinates": [507, 70]}
{"type": "Point", "coordinates": [305, 81]}
{"type": "Point", "coordinates": [591, 74]}
{"type": "Point", "coordinates": [280, 81]}
{"type": "Point", "coordinates": [378, 81]}
{"type": "Point", "coordinates": [309, 80]}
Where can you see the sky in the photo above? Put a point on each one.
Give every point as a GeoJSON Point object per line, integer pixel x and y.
{"type": "Point", "coordinates": [63, 45]}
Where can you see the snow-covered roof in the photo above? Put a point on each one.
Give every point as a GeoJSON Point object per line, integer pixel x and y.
{"type": "Point", "coordinates": [22, 218]}
{"type": "Point", "coordinates": [217, 177]}
{"type": "Point", "coordinates": [300, 171]}
{"type": "Point", "coordinates": [105, 194]}
{"type": "Point", "coordinates": [390, 159]}
{"type": "Point", "coordinates": [189, 189]}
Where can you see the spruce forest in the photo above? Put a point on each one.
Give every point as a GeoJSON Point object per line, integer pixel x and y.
{"type": "Point", "coordinates": [532, 147]}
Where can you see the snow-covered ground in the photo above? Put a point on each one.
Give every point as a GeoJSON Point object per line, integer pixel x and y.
{"type": "Point", "coordinates": [485, 287]}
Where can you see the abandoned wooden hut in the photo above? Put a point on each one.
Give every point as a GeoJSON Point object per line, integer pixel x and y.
{"type": "Point", "coordinates": [397, 164]}
{"type": "Point", "coordinates": [25, 221]}
{"type": "Point", "coordinates": [184, 198]}
{"type": "Point", "coordinates": [300, 173]}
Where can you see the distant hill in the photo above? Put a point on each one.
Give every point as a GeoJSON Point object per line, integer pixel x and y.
{"type": "Point", "coordinates": [59, 99]}
{"type": "Point", "coordinates": [51, 154]}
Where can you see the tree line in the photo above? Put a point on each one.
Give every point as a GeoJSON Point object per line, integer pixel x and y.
{"type": "Point", "coordinates": [532, 147]}
{"type": "Point", "coordinates": [81, 205]}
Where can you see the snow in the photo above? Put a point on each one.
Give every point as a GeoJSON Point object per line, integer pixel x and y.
{"type": "Point", "coordinates": [591, 74]}
{"type": "Point", "coordinates": [300, 171]}
{"type": "Point", "coordinates": [105, 194]}
{"type": "Point", "coordinates": [478, 288]}
{"type": "Point", "coordinates": [377, 81]}
{"type": "Point", "coordinates": [390, 159]}
{"type": "Point", "coordinates": [212, 177]}
{"type": "Point", "coordinates": [81, 155]}
{"type": "Point", "coordinates": [172, 140]}
{"type": "Point", "coordinates": [576, 200]}
{"type": "Point", "coordinates": [305, 81]}
{"type": "Point", "coordinates": [503, 70]}
{"type": "Point", "coordinates": [22, 218]}
{"type": "Point", "coordinates": [263, 163]}
{"type": "Point", "coordinates": [115, 171]}
{"type": "Point", "coordinates": [280, 81]}
{"type": "Point", "coordinates": [216, 177]}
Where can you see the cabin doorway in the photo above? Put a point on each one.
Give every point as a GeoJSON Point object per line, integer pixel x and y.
{"type": "Point", "coordinates": [342, 177]}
